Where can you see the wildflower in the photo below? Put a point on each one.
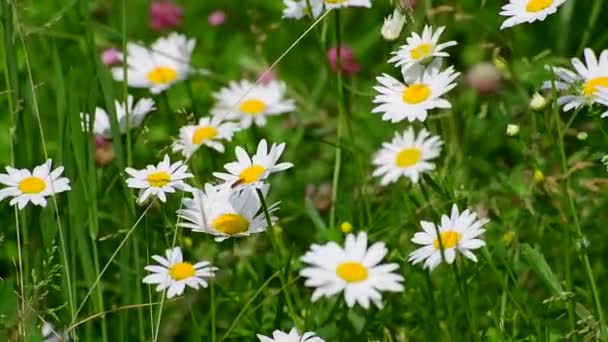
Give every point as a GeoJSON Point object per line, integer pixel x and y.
{"type": "Point", "coordinates": [110, 56]}
{"type": "Point", "coordinates": [421, 48]}
{"type": "Point", "coordinates": [217, 18]}
{"type": "Point", "coordinates": [293, 336]}
{"type": "Point", "coordinates": [421, 92]}
{"type": "Point", "coordinates": [346, 227]}
{"type": "Point", "coordinates": [297, 9]}
{"type": "Point", "coordinates": [329, 4]}
{"type": "Point", "coordinates": [512, 130]}
{"type": "Point", "coordinates": [354, 269]}
{"type": "Point", "coordinates": [225, 212]}
{"type": "Point", "coordinates": [393, 24]}
{"type": "Point", "coordinates": [137, 113]}
{"type": "Point", "coordinates": [104, 151]}
{"type": "Point", "coordinates": [253, 171]}
{"type": "Point", "coordinates": [407, 155]}
{"type": "Point", "coordinates": [250, 103]}
{"type": "Point", "coordinates": [528, 11]}
{"type": "Point", "coordinates": [539, 177]}
{"type": "Point", "coordinates": [25, 186]}
{"type": "Point", "coordinates": [458, 232]}
{"type": "Point", "coordinates": [348, 63]}
{"type": "Point", "coordinates": [208, 131]}
{"type": "Point", "coordinates": [485, 78]}
{"type": "Point", "coordinates": [538, 102]}
{"type": "Point", "coordinates": [159, 67]}
{"type": "Point", "coordinates": [584, 86]}
{"type": "Point", "coordinates": [174, 274]}
{"type": "Point", "coordinates": [165, 15]}
{"type": "Point", "coordinates": [158, 180]}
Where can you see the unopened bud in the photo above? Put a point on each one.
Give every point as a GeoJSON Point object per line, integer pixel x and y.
{"type": "Point", "coordinates": [393, 24]}
{"type": "Point", "coordinates": [538, 102]}
{"type": "Point", "coordinates": [512, 130]}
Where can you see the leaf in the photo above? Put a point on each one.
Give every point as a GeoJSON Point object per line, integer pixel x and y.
{"type": "Point", "coordinates": [539, 265]}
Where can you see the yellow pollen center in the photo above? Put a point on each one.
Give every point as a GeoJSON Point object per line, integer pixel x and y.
{"type": "Point", "coordinates": [32, 185]}
{"type": "Point", "coordinates": [416, 93]}
{"type": "Point", "coordinates": [352, 272]}
{"type": "Point", "coordinates": [449, 239]}
{"type": "Point", "coordinates": [421, 51]}
{"type": "Point", "coordinates": [252, 107]}
{"type": "Point", "coordinates": [162, 75]}
{"type": "Point", "coordinates": [408, 157]}
{"type": "Point", "coordinates": [230, 224]}
{"type": "Point", "coordinates": [159, 179]}
{"type": "Point", "coordinates": [538, 5]}
{"type": "Point", "coordinates": [181, 271]}
{"type": "Point", "coordinates": [204, 133]}
{"type": "Point", "coordinates": [592, 85]}
{"type": "Point", "coordinates": [251, 174]}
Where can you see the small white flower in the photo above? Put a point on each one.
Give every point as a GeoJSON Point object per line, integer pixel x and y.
{"type": "Point", "coordinates": [407, 155]}
{"type": "Point", "coordinates": [157, 180]}
{"type": "Point", "coordinates": [174, 274]}
{"type": "Point", "coordinates": [422, 91]}
{"type": "Point", "coordinates": [347, 3]}
{"type": "Point", "coordinates": [538, 102]}
{"type": "Point", "coordinates": [209, 132]}
{"type": "Point", "coordinates": [421, 49]}
{"type": "Point", "coordinates": [25, 186]}
{"type": "Point", "coordinates": [293, 336]}
{"type": "Point", "coordinates": [512, 130]}
{"type": "Point", "coordinates": [224, 212]}
{"type": "Point", "coordinates": [528, 11]}
{"type": "Point", "coordinates": [299, 8]}
{"type": "Point", "coordinates": [137, 113]}
{"type": "Point", "coordinates": [583, 86]}
{"type": "Point", "coordinates": [253, 171]}
{"type": "Point", "coordinates": [393, 24]}
{"type": "Point", "coordinates": [354, 269]}
{"type": "Point", "coordinates": [458, 232]}
{"type": "Point", "coordinates": [250, 103]}
{"type": "Point", "coordinates": [159, 67]}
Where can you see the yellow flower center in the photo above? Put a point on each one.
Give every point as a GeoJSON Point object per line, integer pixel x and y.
{"type": "Point", "coordinates": [408, 157]}
{"type": "Point", "coordinates": [538, 5]}
{"type": "Point", "coordinates": [162, 75]}
{"type": "Point", "coordinates": [181, 271]}
{"type": "Point", "coordinates": [416, 93]}
{"type": "Point", "coordinates": [252, 107]}
{"type": "Point", "coordinates": [230, 224]}
{"type": "Point", "coordinates": [592, 85]}
{"type": "Point", "coordinates": [159, 179]}
{"type": "Point", "coordinates": [204, 133]}
{"type": "Point", "coordinates": [32, 185]}
{"type": "Point", "coordinates": [421, 51]}
{"type": "Point", "coordinates": [352, 272]}
{"type": "Point", "coordinates": [449, 239]}
{"type": "Point", "coordinates": [251, 174]}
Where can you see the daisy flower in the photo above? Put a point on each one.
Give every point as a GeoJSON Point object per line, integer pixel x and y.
{"type": "Point", "coordinates": [174, 274]}
{"type": "Point", "coordinates": [159, 67]}
{"type": "Point", "coordinates": [137, 113]}
{"type": "Point", "coordinates": [407, 155]}
{"type": "Point", "coordinates": [354, 269]}
{"type": "Point", "coordinates": [458, 232]}
{"type": "Point", "coordinates": [421, 92]}
{"type": "Point", "coordinates": [583, 85]}
{"type": "Point", "coordinates": [209, 132]}
{"type": "Point", "coordinates": [250, 103]}
{"type": "Point", "coordinates": [224, 212]}
{"type": "Point", "coordinates": [299, 9]}
{"type": "Point", "coordinates": [253, 171]}
{"type": "Point", "coordinates": [158, 180]}
{"type": "Point", "coordinates": [421, 49]}
{"type": "Point", "coordinates": [293, 336]}
{"type": "Point", "coordinates": [528, 11]}
{"type": "Point", "coordinates": [25, 186]}
{"type": "Point", "coordinates": [329, 4]}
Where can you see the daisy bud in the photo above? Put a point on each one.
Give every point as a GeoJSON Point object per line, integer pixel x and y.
{"type": "Point", "coordinates": [539, 177]}
{"type": "Point", "coordinates": [485, 78]}
{"type": "Point", "coordinates": [346, 227]}
{"type": "Point", "coordinates": [348, 63]}
{"type": "Point", "coordinates": [393, 24]}
{"type": "Point", "coordinates": [512, 130]}
{"type": "Point", "coordinates": [110, 56]}
{"type": "Point", "coordinates": [582, 136]}
{"type": "Point", "coordinates": [165, 15]}
{"type": "Point", "coordinates": [104, 152]}
{"type": "Point", "coordinates": [538, 102]}
{"type": "Point", "coordinates": [217, 18]}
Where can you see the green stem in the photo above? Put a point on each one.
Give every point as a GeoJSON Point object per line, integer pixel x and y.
{"type": "Point", "coordinates": [464, 291]}
{"type": "Point", "coordinates": [125, 90]}
{"type": "Point", "coordinates": [212, 297]}
{"type": "Point", "coordinates": [595, 13]}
